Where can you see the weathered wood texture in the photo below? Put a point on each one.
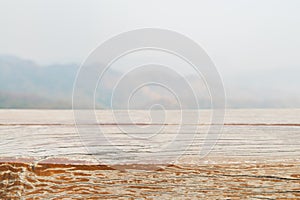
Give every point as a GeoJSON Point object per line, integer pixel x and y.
{"type": "Point", "coordinates": [256, 157]}
{"type": "Point", "coordinates": [231, 181]}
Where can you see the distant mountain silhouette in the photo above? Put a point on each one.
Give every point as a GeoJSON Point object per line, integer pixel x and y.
{"type": "Point", "coordinates": [25, 84]}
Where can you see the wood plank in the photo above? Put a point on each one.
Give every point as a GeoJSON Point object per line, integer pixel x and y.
{"type": "Point", "coordinates": [257, 156]}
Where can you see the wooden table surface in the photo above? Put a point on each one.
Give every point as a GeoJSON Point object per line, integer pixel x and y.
{"type": "Point", "coordinates": [256, 157]}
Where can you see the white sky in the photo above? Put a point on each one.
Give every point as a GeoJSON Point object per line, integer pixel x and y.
{"type": "Point", "coordinates": [237, 34]}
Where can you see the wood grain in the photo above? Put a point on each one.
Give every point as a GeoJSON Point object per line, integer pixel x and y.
{"type": "Point", "coordinates": [256, 157]}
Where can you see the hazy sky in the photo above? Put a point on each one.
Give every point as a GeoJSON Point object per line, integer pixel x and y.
{"type": "Point", "coordinates": [237, 34]}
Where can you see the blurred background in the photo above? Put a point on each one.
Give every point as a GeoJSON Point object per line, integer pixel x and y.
{"type": "Point", "coordinates": [255, 45]}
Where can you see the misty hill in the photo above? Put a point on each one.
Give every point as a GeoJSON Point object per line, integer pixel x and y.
{"type": "Point", "coordinates": [24, 84]}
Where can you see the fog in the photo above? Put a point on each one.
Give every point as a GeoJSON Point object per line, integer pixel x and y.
{"type": "Point", "coordinates": [254, 44]}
